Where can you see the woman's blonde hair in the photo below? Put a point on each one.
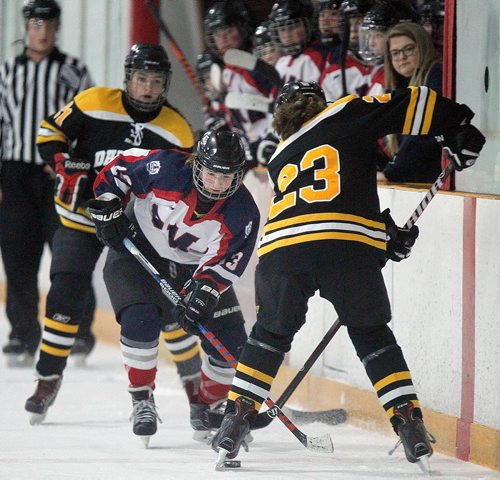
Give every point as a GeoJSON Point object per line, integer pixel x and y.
{"type": "Point", "coordinates": [289, 117]}
{"type": "Point", "coordinates": [428, 56]}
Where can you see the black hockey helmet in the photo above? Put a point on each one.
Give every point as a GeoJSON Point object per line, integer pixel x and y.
{"type": "Point", "coordinates": [286, 13]}
{"type": "Point", "coordinates": [290, 91]}
{"type": "Point", "coordinates": [352, 9]}
{"type": "Point", "coordinates": [356, 8]}
{"type": "Point", "coordinates": [220, 151]}
{"type": "Point", "coordinates": [43, 9]}
{"type": "Point", "coordinates": [432, 19]}
{"type": "Point", "coordinates": [151, 58]}
{"type": "Point", "coordinates": [381, 17]}
{"type": "Point", "coordinates": [329, 5]}
{"type": "Point", "coordinates": [262, 35]}
{"type": "Point", "coordinates": [205, 60]}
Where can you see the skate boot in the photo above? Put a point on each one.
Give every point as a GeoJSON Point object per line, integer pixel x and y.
{"type": "Point", "coordinates": [198, 416]}
{"type": "Point", "coordinates": [44, 396]}
{"type": "Point", "coordinates": [19, 353]}
{"type": "Point", "coordinates": [144, 414]}
{"type": "Point", "coordinates": [81, 349]}
{"type": "Point", "coordinates": [413, 435]}
{"type": "Point", "coordinates": [231, 434]}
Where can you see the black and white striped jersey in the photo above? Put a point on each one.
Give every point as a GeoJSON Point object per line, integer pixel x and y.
{"type": "Point", "coordinates": [30, 92]}
{"type": "Point", "coordinates": [324, 175]}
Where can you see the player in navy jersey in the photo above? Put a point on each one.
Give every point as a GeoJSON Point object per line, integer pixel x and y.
{"type": "Point", "coordinates": [325, 233]}
{"type": "Point", "coordinates": [198, 224]}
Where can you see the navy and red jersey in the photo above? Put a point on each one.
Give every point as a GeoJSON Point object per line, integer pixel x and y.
{"type": "Point", "coordinates": [218, 245]}
{"type": "Point", "coordinates": [324, 175]}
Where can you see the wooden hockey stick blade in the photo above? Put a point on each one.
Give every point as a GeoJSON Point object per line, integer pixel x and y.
{"type": "Point", "coordinates": [336, 416]}
{"type": "Point", "coordinates": [243, 59]}
{"type": "Point", "coordinates": [248, 101]}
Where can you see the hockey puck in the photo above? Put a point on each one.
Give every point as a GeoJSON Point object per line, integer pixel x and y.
{"type": "Point", "coordinates": [232, 464]}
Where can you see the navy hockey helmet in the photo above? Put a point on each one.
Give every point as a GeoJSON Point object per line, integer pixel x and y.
{"type": "Point", "coordinates": [150, 58]}
{"type": "Point", "coordinates": [291, 90]}
{"type": "Point", "coordinates": [329, 5]}
{"type": "Point", "coordinates": [43, 9]}
{"type": "Point", "coordinates": [219, 151]}
{"type": "Point", "coordinates": [288, 13]}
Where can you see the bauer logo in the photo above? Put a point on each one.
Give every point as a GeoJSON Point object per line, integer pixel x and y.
{"type": "Point", "coordinates": [153, 167]}
{"type": "Point", "coordinates": [108, 217]}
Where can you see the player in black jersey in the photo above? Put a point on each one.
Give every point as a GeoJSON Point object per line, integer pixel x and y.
{"type": "Point", "coordinates": [77, 142]}
{"type": "Point", "coordinates": [325, 233]}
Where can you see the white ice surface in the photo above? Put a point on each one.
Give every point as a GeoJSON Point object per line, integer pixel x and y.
{"type": "Point", "coordinates": [87, 435]}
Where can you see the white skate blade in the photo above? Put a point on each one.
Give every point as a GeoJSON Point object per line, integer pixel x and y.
{"type": "Point", "coordinates": [145, 440]}
{"type": "Point", "coordinates": [219, 466]}
{"type": "Point", "coordinates": [37, 418]}
{"type": "Point", "coordinates": [203, 436]}
{"type": "Point", "coordinates": [79, 360]}
{"type": "Point", "coordinates": [22, 360]}
{"type": "Point", "coordinates": [424, 465]}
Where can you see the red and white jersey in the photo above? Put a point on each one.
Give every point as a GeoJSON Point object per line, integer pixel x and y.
{"type": "Point", "coordinates": [307, 66]}
{"type": "Point", "coordinates": [240, 80]}
{"type": "Point", "coordinates": [357, 75]}
{"type": "Point", "coordinates": [216, 246]}
{"type": "Point", "coordinates": [377, 84]}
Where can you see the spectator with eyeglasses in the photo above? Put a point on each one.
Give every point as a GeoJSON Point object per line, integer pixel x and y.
{"type": "Point", "coordinates": [411, 59]}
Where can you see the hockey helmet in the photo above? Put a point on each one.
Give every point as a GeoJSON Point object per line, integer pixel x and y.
{"type": "Point", "coordinates": [263, 44]}
{"type": "Point", "coordinates": [290, 91]}
{"type": "Point", "coordinates": [352, 13]}
{"type": "Point", "coordinates": [289, 13]}
{"type": "Point", "coordinates": [43, 9]}
{"type": "Point", "coordinates": [151, 58]}
{"type": "Point", "coordinates": [328, 23]}
{"type": "Point", "coordinates": [329, 4]}
{"type": "Point", "coordinates": [432, 19]}
{"type": "Point", "coordinates": [219, 151]}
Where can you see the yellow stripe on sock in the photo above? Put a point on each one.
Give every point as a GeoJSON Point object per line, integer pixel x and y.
{"type": "Point", "coordinates": [191, 353]}
{"type": "Point", "coordinates": [263, 377]}
{"type": "Point", "coordinates": [233, 396]}
{"type": "Point", "coordinates": [174, 334]}
{"type": "Point", "coordinates": [62, 327]}
{"type": "Point", "coordinates": [390, 412]}
{"type": "Point", "coordinates": [393, 377]}
{"type": "Point", "coordinates": [58, 352]}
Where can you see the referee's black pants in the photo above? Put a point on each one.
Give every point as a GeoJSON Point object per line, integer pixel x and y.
{"type": "Point", "coordinates": [28, 220]}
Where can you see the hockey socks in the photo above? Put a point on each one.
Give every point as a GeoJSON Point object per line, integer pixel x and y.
{"type": "Point", "coordinates": [259, 363]}
{"type": "Point", "coordinates": [216, 379]}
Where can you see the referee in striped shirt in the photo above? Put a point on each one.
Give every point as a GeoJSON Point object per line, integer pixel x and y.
{"type": "Point", "coordinates": [33, 85]}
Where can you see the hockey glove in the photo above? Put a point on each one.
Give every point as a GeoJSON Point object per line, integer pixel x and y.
{"type": "Point", "coordinates": [198, 305]}
{"type": "Point", "coordinates": [400, 240]}
{"type": "Point", "coordinates": [112, 225]}
{"type": "Point", "coordinates": [263, 149]}
{"type": "Point", "coordinates": [464, 147]}
{"type": "Point", "coordinates": [71, 179]}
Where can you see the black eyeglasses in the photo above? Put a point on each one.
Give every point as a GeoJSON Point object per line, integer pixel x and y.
{"type": "Point", "coordinates": [407, 51]}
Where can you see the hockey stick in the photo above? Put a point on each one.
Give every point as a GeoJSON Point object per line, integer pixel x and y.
{"type": "Point", "coordinates": [430, 195]}
{"type": "Point", "coordinates": [243, 59]}
{"type": "Point", "coordinates": [179, 55]}
{"type": "Point", "coordinates": [321, 444]}
{"type": "Point", "coordinates": [249, 101]}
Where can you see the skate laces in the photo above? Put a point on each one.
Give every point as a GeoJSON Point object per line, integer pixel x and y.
{"type": "Point", "coordinates": [145, 411]}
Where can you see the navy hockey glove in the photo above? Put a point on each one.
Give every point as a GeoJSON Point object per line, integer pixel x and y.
{"type": "Point", "coordinates": [464, 147]}
{"type": "Point", "coordinates": [198, 305]}
{"type": "Point", "coordinates": [263, 149]}
{"type": "Point", "coordinates": [112, 225]}
{"type": "Point", "coordinates": [71, 179]}
{"type": "Point", "coordinates": [400, 240]}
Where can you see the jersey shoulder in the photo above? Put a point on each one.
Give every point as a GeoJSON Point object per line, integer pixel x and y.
{"type": "Point", "coordinates": [101, 99]}
{"type": "Point", "coordinates": [174, 127]}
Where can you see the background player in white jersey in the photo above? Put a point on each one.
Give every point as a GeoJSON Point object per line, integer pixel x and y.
{"type": "Point", "coordinates": [199, 225]}
{"type": "Point", "coordinates": [77, 142]}
{"type": "Point", "coordinates": [329, 17]}
{"type": "Point", "coordinates": [290, 25]}
{"type": "Point", "coordinates": [325, 233]}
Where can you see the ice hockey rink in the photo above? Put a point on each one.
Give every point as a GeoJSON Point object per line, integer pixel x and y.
{"type": "Point", "coordinates": [87, 435]}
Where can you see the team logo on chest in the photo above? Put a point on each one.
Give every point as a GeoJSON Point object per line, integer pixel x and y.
{"type": "Point", "coordinates": [136, 134]}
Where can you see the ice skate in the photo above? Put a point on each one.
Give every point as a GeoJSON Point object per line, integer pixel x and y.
{"type": "Point", "coordinates": [44, 396]}
{"type": "Point", "coordinates": [81, 350]}
{"type": "Point", "coordinates": [18, 354]}
{"type": "Point", "coordinates": [413, 435]}
{"type": "Point", "coordinates": [231, 435]}
{"type": "Point", "coordinates": [144, 414]}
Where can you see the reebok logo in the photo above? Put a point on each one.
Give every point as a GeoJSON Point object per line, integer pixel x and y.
{"type": "Point", "coordinates": [71, 165]}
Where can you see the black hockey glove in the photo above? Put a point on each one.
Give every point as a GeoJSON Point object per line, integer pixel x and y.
{"type": "Point", "coordinates": [112, 225]}
{"type": "Point", "coordinates": [464, 146]}
{"type": "Point", "coordinates": [198, 305]}
{"type": "Point", "coordinates": [71, 179]}
{"type": "Point", "coordinates": [263, 149]}
{"type": "Point", "coordinates": [400, 240]}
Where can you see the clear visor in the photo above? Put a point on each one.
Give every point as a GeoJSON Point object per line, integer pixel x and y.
{"type": "Point", "coordinates": [371, 44]}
